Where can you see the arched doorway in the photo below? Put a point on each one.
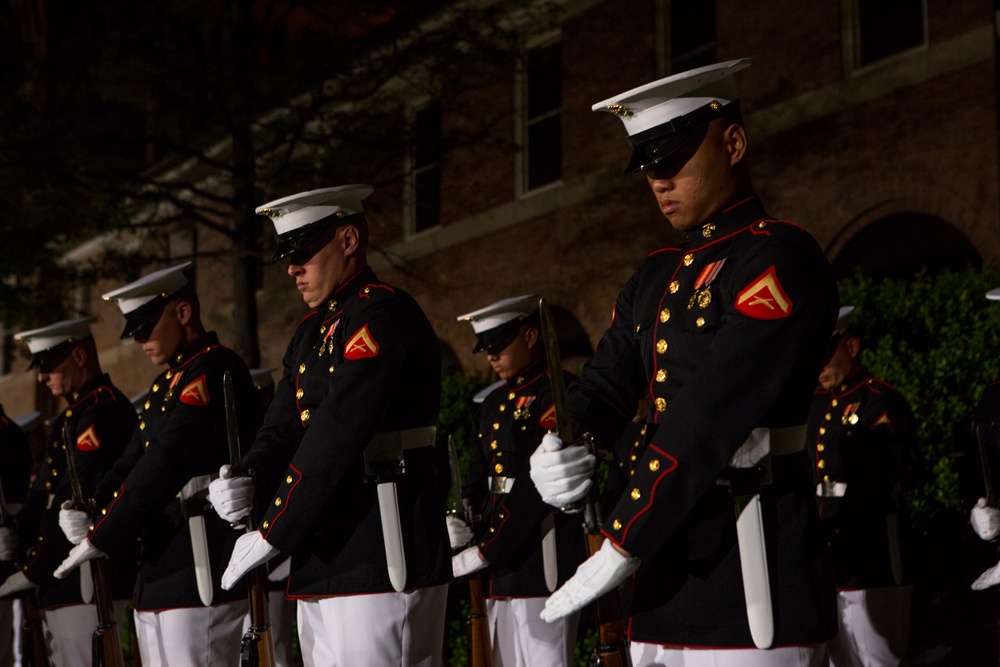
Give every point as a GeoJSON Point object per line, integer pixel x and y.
{"type": "Point", "coordinates": [899, 245]}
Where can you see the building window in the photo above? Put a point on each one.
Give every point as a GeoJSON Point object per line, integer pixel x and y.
{"type": "Point", "coordinates": [685, 35]}
{"type": "Point", "coordinates": [541, 112]}
{"type": "Point", "coordinates": [423, 185]}
{"type": "Point", "coordinates": [879, 29]}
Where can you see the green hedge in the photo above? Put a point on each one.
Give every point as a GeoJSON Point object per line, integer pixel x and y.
{"type": "Point", "coordinates": [937, 339]}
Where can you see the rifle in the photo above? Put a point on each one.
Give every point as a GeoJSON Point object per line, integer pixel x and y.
{"type": "Point", "coordinates": [257, 644]}
{"type": "Point", "coordinates": [612, 648]}
{"type": "Point", "coordinates": [106, 642]}
{"type": "Point", "coordinates": [480, 648]}
{"type": "Point", "coordinates": [984, 459]}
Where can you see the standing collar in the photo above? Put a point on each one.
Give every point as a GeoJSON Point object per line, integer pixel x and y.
{"type": "Point", "coordinates": [200, 344]}
{"type": "Point", "coordinates": [727, 221]}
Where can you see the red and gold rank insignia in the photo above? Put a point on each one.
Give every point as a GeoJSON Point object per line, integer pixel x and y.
{"type": "Point", "coordinates": [196, 392]}
{"type": "Point", "coordinates": [884, 421]}
{"type": "Point", "coordinates": [361, 345]}
{"type": "Point", "coordinates": [764, 299]}
{"type": "Point", "coordinates": [548, 418]}
{"type": "Point", "coordinates": [88, 440]}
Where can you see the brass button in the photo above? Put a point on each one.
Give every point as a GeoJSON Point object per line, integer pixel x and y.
{"type": "Point", "coordinates": [828, 417]}
{"type": "Point", "coordinates": [822, 430]}
{"type": "Point", "coordinates": [300, 393]}
{"type": "Point", "coordinates": [169, 374]}
{"type": "Point", "coordinates": [633, 457]}
{"type": "Point", "coordinates": [502, 515]}
{"type": "Point", "coordinates": [821, 464]}
{"type": "Point", "coordinates": [494, 445]}
{"type": "Point", "coordinates": [499, 468]}
{"type": "Point", "coordinates": [636, 493]}
{"type": "Point", "coordinates": [496, 426]}
{"type": "Point", "coordinates": [700, 321]}
{"type": "Point", "coordinates": [638, 327]}
{"type": "Point", "coordinates": [265, 525]}
{"type": "Point", "coordinates": [142, 426]}
{"type": "Point", "coordinates": [331, 369]}
{"type": "Point", "coordinates": [616, 524]}
{"type": "Point", "coordinates": [302, 368]}
{"type": "Point", "coordinates": [820, 448]}
{"type": "Point", "coordinates": [762, 225]}
{"type": "Point", "coordinates": [511, 396]}
{"type": "Point", "coordinates": [654, 465]}
{"type": "Point", "coordinates": [664, 314]}
{"type": "Point", "coordinates": [503, 406]}
{"type": "Point", "coordinates": [492, 529]}
{"type": "Point", "coordinates": [156, 387]}
{"type": "Point", "coordinates": [661, 404]}
{"type": "Point", "coordinates": [69, 413]}
{"type": "Point", "coordinates": [674, 286]}
{"type": "Point", "coordinates": [146, 405]}
{"type": "Point", "coordinates": [661, 375]}
{"type": "Point", "coordinates": [288, 480]}
{"type": "Point", "coordinates": [104, 510]}
{"type": "Point", "coordinates": [304, 416]}
{"type": "Point", "coordinates": [661, 346]}
{"type": "Point", "coordinates": [114, 495]}
{"type": "Point", "coordinates": [688, 259]}
{"type": "Point", "coordinates": [833, 402]}
{"type": "Point", "coordinates": [826, 478]}
{"type": "Point", "coordinates": [277, 502]}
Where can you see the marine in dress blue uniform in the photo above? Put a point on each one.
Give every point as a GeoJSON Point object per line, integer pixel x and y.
{"type": "Point", "coordinates": [724, 332]}
{"type": "Point", "coordinates": [516, 522]}
{"type": "Point", "coordinates": [157, 491]}
{"type": "Point", "coordinates": [100, 422]}
{"type": "Point", "coordinates": [15, 476]}
{"type": "Point", "coordinates": [860, 433]}
{"type": "Point", "coordinates": [345, 464]}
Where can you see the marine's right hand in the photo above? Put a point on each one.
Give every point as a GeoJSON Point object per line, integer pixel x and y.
{"type": "Point", "coordinates": [985, 520]}
{"type": "Point", "coordinates": [75, 523]}
{"type": "Point", "coordinates": [231, 497]}
{"type": "Point", "coordinates": [459, 532]}
{"type": "Point", "coordinates": [561, 474]}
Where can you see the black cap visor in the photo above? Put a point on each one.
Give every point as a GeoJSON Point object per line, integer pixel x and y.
{"type": "Point", "coordinates": [140, 322]}
{"type": "Point", "coordinates": [46, 360]}
{"type": "Point", "coordinates": [496, 340]}
{"type": "Point", "coordinates": [308, 239]}
{"type": "Point", "coordinates": [665, 142]}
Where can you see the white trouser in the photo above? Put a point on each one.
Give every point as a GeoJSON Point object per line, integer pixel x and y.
{"type": "Point", "coordinates": [874, 627]}
{"type": "Point", "coordinates": [521, 638]}
{"type": "Point", "coordinates": [281, 615]}
{"type": "Point", "coordinates": [399, 629]}
{"type": "Point", "coordinates": [655, 655]}
{"type": "Point", "coordinates": [191, 637]}
{"type": "Point", "coordinates": [68, 631]}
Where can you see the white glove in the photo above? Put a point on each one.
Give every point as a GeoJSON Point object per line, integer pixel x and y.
{"type": "Point", "coordinates": [459, 532]}
{"type": "Point", "coordinates": [78, 555]}
{"type": "Point", "coordinates": [249, 551]}
{"type": "Point", "coordinates": [281, 572]}
{"type": "Point", "coordinates": [562, 475]}
{"type": "Point", "coordinates": [232, 497]}
{"type": "Point", "coordinates": [15, 583]}
{"type": "Point", "coordinates": [985, 520]}
{"type": "Point", "coordinates": [467, 562]}
{"type": "Point", "coordinates": [8, 543]}
{"type": "Point", "coordinates": [990, 577]}
{"type": "Point", "coordinates": [597, 575]}
{"type": "Point", "coordinates": [75, 523]}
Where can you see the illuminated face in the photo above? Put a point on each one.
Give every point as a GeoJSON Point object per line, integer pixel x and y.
{"type": "Point", "coordinates": [514, 358]}
{"type": "Point", "coordinates": [166, 338]}
{"type": "Point", "coordinates": [693, 185]}
{"type": "Point", "coordinates": [319, 272]}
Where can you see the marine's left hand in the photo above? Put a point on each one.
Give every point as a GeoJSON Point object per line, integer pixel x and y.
{"type": "Point", "coordinates": [78, 555]}
{"type": "Point", "coordinates": [990, 577]}
{"type": "Point", "coordinates": [597, 575]}
{"type": "Point", "coordinates": [249, 551]}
